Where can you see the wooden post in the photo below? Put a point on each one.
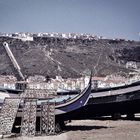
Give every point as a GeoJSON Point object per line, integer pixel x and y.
{"type": "Point", "coordinates": [28, 126]}
{"type": "Point", "coordinates": [48, 118]}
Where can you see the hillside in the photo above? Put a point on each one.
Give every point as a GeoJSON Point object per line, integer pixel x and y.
{"type": "Point", "coordinates": [51, 56]}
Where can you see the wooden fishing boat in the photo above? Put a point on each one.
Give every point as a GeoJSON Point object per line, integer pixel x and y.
{"type": "Point", "coordinates": [116, 101]}
{"type": "Point", "coordinates": [28, 103]}
{"type": "Point", "coordinates": [68, 105]}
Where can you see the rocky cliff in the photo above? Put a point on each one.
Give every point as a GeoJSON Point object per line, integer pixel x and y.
{"type": "Point", "coordinates": [51, 56]}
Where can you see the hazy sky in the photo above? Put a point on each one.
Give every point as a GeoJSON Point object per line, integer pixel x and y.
{"type": "Point", "coordinates": [109, 18]}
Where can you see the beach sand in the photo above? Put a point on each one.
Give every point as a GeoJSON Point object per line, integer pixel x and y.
{"type": "Point", "coordinates": [95, 130]}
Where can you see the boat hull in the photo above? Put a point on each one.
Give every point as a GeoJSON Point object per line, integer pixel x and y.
{"type": "Point", "coordinates": [124, 100]}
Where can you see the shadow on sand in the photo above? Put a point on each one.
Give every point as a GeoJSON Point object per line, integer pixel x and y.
{"type": "Point", "coordinates": [83, 127]}
{"type": "Point", "coordinates": [122, 118]}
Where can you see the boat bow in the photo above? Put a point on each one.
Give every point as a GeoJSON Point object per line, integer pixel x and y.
{"type": "Point", "coordinates": [75, 103]}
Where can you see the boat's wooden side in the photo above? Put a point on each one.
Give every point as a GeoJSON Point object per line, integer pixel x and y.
{"type": "Point", "coordinates": [118, 91]}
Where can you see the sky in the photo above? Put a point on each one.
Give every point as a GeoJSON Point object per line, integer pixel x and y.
{"type": "Point", "coordinates": [108, 18]}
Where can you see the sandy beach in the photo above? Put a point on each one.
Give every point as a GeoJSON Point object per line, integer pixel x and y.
{"type": "Point", "coordinates": [104, 129]}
